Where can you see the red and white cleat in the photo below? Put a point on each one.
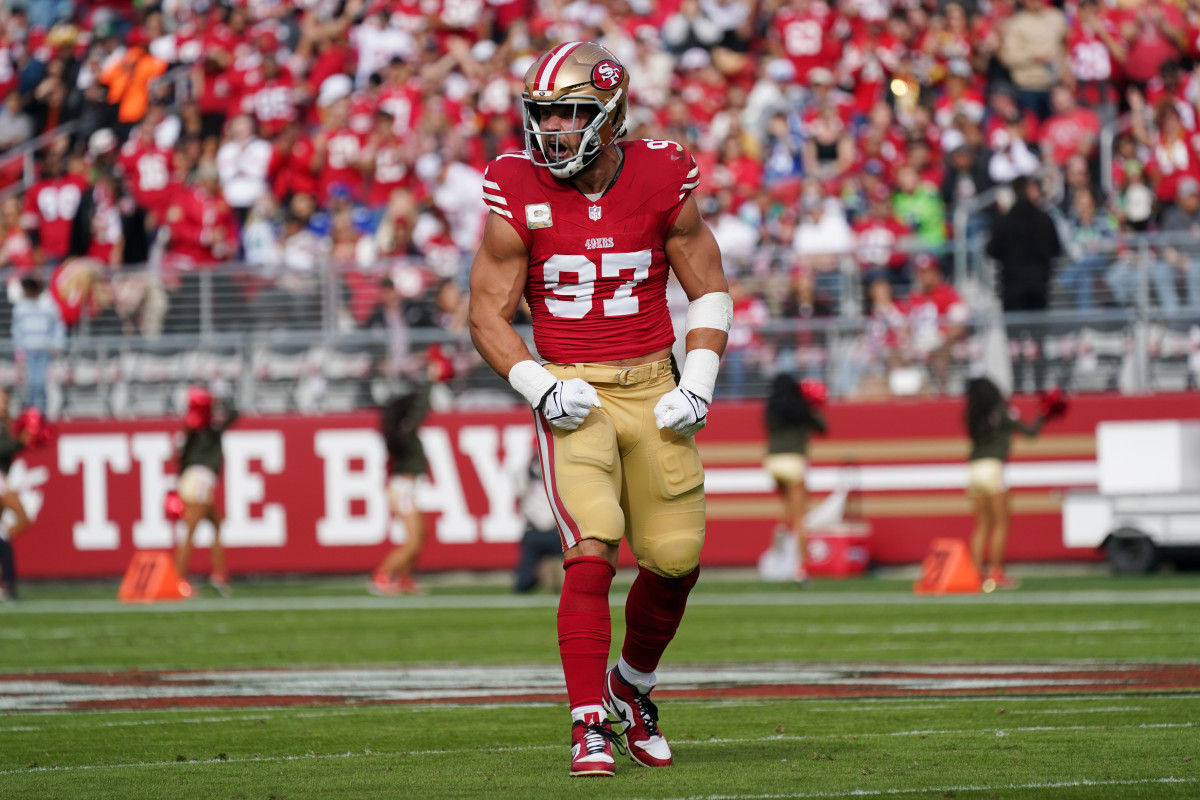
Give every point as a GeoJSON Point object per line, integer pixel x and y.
{"type": "Point", "coordinates": [381, 584]}
{"type": "Point", "coordinates": [592, 740]}
{"type": "Point", "coordinates": [999, 579]}
{"type": "Point", "coordinates": [639, 716]}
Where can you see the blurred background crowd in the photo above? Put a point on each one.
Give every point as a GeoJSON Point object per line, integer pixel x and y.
{"type": "Point", "coordinates": [318, 164]}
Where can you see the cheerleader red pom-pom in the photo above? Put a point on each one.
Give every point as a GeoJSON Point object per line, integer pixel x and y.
{"type": "Point", "coordinates": [173, 506]}
{"type": "Point", "coordinates": [41, 431]}
{"type": "Point", "coordinates": [814, 391]}
{"type": "Point", "coordinates": [1054, 404]}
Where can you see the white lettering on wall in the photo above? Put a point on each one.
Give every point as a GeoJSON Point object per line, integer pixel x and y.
{"type": "Point", "coordinates": [95, 454]}
{"type": "Point", "coordinates": [244, 489]}
{"type": "Point", "coordinates": [339, 526]}
{"type": "Point", "coordinates": [152, 451]}
{"type": "Point", "coordinates": [443, 491]}
{"type": "Point", "coordinates": [480, 443]}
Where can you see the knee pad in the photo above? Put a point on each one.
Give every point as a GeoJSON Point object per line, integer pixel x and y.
{"type": "Point", "coordinates": [672, 555]}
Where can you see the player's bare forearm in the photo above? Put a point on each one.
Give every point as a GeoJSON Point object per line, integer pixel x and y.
{"type": "Point", "coordinates": [706, 339]}
{"type": "Point", "coordinates": [497, 283]}
{"type": "Point", "coordinates": [497, 341]}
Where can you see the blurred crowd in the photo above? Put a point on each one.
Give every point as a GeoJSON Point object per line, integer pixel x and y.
{"type": "Point", "coordinates": [352, 134]}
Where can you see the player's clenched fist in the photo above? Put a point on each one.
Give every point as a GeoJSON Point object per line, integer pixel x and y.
{"type": "Point", "coordinates": [681, 411]}
{"type": "Point", "coordinates": [568, 403]}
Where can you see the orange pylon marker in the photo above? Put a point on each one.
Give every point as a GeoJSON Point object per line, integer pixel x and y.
{"type": "Point", "coordinates": [948, 569]}
{"type": "Point", "coordinates": [150, 577]}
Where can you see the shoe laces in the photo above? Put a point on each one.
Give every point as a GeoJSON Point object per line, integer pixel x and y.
{"type": "Point", "coordinates": [647, 711]}
{"type": "Point", "coordinates": [596, 733]}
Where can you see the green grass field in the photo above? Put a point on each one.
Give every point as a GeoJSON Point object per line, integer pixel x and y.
{"type": "Point", "coordinates": [1070, 687]}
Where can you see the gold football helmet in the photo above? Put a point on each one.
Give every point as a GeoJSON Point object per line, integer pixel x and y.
{"type": "Point", "coordinates": [588, 78]}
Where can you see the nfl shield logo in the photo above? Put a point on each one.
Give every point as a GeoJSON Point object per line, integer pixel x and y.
{"type": "Point", "coordinates": [594, 213]}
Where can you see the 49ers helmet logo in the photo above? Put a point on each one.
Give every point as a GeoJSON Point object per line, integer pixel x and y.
{"type": "Point", "coordinates": [607, 75]}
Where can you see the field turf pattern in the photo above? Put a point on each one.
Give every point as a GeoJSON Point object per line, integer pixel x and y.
{"type": "Point", "coordinates": [924, 735]}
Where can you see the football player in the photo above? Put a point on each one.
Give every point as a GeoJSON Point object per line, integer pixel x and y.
{"type": "Point", "coordinates": [587, 229]}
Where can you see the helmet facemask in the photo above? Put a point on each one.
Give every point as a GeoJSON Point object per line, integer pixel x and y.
{"type": "Point", "coordinates": [548, 148]}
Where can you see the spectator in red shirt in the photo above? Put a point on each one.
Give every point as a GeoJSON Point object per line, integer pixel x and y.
{"type": "Point", "coordinates": [385, 161]}
{"type": "Point", "coordinates": [937, 318]}
{"type": "Point", "coordinates": [50, 208]}
{"type": "Point", "coordinates": [148, 170]}
{"type": "Point", "coordinates": [1097, 53]}
{"type": "Point", "coordinates": [203, 230]}
{"type": "Point", "coordinates": [291, 170]}
{"type": "Point", "coordinates": [879, 240]}
{"type": "Point", "coordinates": [1072, 129]}
{"type": "Point", "coordinates": [1172, 155]}
{"type": "Point", "coordinates": [271, 95]}
{"type": "Point", "coordinates": [1155, 33]}
{"type": "Point", "coordinates": [337, 148]}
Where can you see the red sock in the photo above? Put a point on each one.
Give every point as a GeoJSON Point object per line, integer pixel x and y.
{"type": "Point", "coordinates": [585, 628]}
{"type": "Point", "coordinates": [653, 611]}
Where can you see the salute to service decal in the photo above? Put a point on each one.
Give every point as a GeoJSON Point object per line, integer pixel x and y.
{"type": "Point", "coordinates": [537, 216]}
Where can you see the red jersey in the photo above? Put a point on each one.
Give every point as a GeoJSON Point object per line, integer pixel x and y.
{"type": "Point", "coordinates": [803, 37]}
{"type": "Point", "coordinates": [50, 208]}
{"type": "Point", "coordinates": [273, 104]}
{"type": "Point", "coordinates": [871, 60]}
{"type": "Point", "coordinates": [598, 271]}
{"type": "Point", "coordinates": [1063, 134]}
{"type": "Point", "coordinates": [291, 170]}
{"type": "Point", "coordinates": [203, 229]}
{"type": "Point", "coordinates": [343, 151]}
{"type": "Point", "coordinates": [929, 315]}
{"type": "Point", "coordinates": [404, 104]}
{"type": "Point", "coordinates": [148, 172]}
{"type": "Point", "coordinates": [215, 86]}
{"type": "Point", "coordinates": [877, 241]}
{"type": "Point", "coordinates": [16, 250]}
{"type": "Point", "coordinates": [390, 172]}
{"type": "Point", "coordinates": [1091, 60]}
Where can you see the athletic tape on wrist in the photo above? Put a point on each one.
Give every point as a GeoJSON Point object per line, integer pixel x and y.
{"type": "Point", "coordinates": [712, 310]}
{"type": "Point", "coordinates": [531, 380]}
{"type": "Point", "coordinates": [699, 374]}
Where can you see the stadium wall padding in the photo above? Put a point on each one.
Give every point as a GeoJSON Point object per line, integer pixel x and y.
{"type": "Point", "coordinates": [306, 494]}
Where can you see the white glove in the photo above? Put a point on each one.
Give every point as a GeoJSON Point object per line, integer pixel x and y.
{"type": "Point", "coordinates": [681, 411]}
{"type": "Point", "coordinates": [568, 403]}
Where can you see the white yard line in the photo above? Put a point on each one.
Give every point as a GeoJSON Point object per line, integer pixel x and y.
{"type": "Point", "coordinates": [689, 743]}
{"type": "Point", "coordinates": [477, 602]}
{"type": "Point", "coordinates": [945, 791]}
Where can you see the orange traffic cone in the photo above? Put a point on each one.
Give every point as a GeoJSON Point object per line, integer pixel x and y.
{"type": "Point", "coordinates": [150, 577]}
{"type": "Point", "coordinates": [948, 569]}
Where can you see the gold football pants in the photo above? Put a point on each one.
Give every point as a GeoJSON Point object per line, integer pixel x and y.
{"type": "Point", "coordinates": [618, 476]}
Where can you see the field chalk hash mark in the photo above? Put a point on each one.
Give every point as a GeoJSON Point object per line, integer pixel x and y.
{"type": "Point", "coordinates": [245, 689]}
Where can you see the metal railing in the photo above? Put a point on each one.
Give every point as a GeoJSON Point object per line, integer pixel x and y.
{"type": "Point", "coordinates": [284, 345]}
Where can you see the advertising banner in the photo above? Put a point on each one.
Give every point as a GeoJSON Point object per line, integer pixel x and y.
{"type": "Point", "coordinates": [306, 494]}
